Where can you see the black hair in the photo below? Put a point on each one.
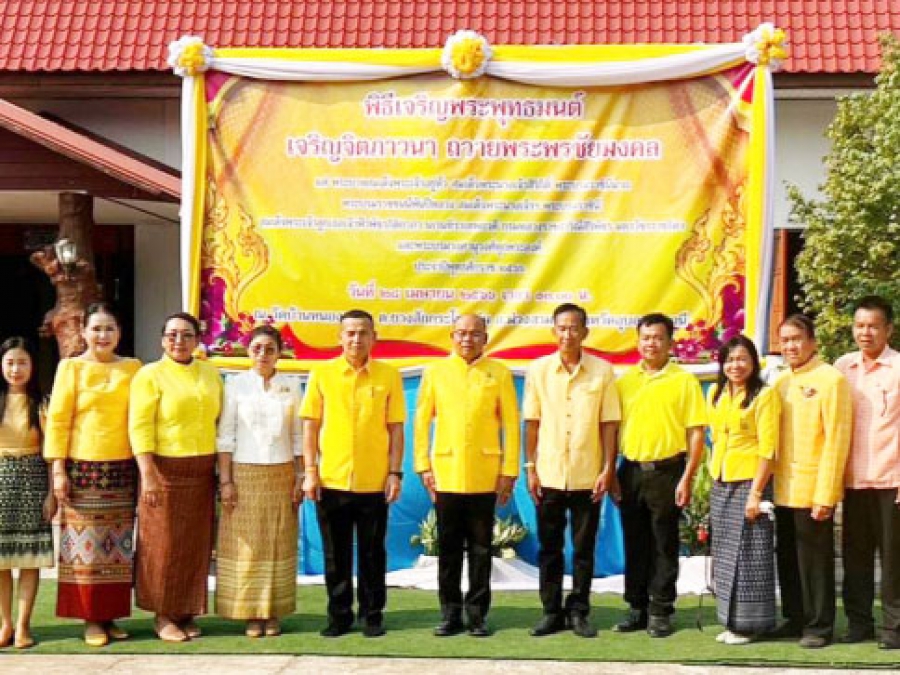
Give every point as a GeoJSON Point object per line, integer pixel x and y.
{"type": "Point", "coordinates": [754, 381]}
{"type": "Point", "coordinates": [802, 322]}
{"type": "Point", "coordinates": [655, 318]}
{"type": "Point", "coordinates": [32, 387]}
{"type": "Point", "coordinates": [568, 307]}
{"type": "Point", "coordinates": [268, 331]}
{"type": "Point", "coordinates": [183, 316]}
{"type": "Point", "coordinates": [102, 307]}
{"type": "Point", "coordinates": [358, 314]}
{"type": "Point", "coordinates": [875, 303]}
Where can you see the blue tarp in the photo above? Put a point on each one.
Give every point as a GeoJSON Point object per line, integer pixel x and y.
{"type": "Point", "coordinates": [414, 505]}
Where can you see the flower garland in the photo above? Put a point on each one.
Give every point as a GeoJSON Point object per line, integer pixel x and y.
{"type": "Point", "coordinates": [765, 46]}
{"type": "Point", "coordinates": [188, 56]}
{"type": "Point", "coordinates": [466, 55]}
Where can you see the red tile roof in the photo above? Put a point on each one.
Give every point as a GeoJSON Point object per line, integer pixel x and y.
{"type": "Point", "coordinates": [825, 36]}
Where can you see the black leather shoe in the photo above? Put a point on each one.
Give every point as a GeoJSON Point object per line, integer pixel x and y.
{"type": "Point", "coordinates": [889, 640]}
{"type": "Point", "coordinates": [855, 635]}
{"type": "Point", "coordinates": [333, 630]}
{"type": "Point", "coordinates": [635, 620]}
{"type": "Point", "coordinates": [785, 630]}
{"type": "Point", "coordinates": [659, 627]}
{"type": "Point", "coordinates": [449, 627]}
{"type": "Point", "coordinates": [479, 629]}
{"type": "Point", "coordinates": [548, 625]}
{"type": "Point", "coordinates": [582, 627]}
{"type": "Point", "coordinates": [374, 629]}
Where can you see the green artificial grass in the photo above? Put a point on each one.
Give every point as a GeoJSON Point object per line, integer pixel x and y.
{"type": "Point", "coordinates": [412, 614]}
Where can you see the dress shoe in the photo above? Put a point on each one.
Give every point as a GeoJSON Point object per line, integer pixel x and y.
{"type": "Point", "coordinates": [635, 620]}
{"type": "Point", "coordinates": [449, 627]}
{"type": "Point", "coordinates": [581, 626]}
{"type": "Point", "coordinates": [374, 629]}
{"type": "Point", "coordinates": [659, 627]}
{"type": "Point", "coordinates": [855, 635]}
{"type": "Point", "coordinates": [814, 642]}
{"type": "Point", "coordinates": [785, 630]}
{"type": "Point", "coordinates": [479, 629]}
{"type": "Point", "coordinates": [889, 640]}
{"type": "Point", "coordinates": [548, 625]}
{"type": "Point", "coordinates": [333, 629]}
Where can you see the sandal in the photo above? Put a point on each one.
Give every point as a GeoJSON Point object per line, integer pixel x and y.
{"type": "Point", "coordinates": [273, 628]}
{"type": "Point", "coordinates": [191, 629]}
{"type": "Point", "coordinates": [170, 632]}
{"type": "Point", "coordinates": [254, 629]}
{"type": "Point", "coordinates": [95, 635]}
{"type": "Point", "coordinates": [115, 632]}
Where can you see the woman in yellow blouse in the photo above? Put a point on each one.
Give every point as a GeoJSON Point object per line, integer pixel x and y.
{"type": "Point", "coordinates": [26, 502]}
{"type": "Point", "coordinates": [744, 417]}
{"type": "Point", "coordinates": [172, 425]}
{"type": "Point", "coordinates": [94, 479]}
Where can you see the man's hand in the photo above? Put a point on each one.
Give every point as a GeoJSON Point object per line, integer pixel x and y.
{"type": "Point", "coordinates": [428, 482]}
{"type": "Point", "coordinates": [602, 486]}
{"type": "Point", "coordinates": [504, 488]}
{"type": "Point", "coordinates": [311, 486]}
{"type": "Point", "coordinates": [821, 513]}
{"type": "Point", "coordinates": [683, 493]}
{"type": "Point", "coordinates": [297, 492]}
{"type": "Point", "coordinates": [392, 488]}
{"type": "Point", "coordinates": [534, 486]}
{"type": "Point", "coordinates": [228, 496]}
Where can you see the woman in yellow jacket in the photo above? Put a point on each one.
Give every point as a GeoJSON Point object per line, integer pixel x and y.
{"type": "Point", "coordinates": [94, 479]}
{"type": "Point", "coordinates": [174, 406]}
{"type": "Point", "coordinates": [744, 417]}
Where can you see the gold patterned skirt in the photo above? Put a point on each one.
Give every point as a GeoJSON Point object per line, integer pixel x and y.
{"type": "Point", "coordinates": [256, 555]}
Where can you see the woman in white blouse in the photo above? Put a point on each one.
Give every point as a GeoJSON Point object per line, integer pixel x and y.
{"type": "Point", "coordinates": [260, 476]}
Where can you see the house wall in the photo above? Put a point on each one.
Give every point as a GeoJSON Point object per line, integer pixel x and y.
{"type": "Point", "coordinates": [151, 127]}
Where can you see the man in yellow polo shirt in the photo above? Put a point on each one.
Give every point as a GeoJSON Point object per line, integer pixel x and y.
{"type": "Point", "coordinates": [663, 419]}
{"type": "Point", "coordinates": [353, 415]}
{"type": "Point", "coordinates": [571, 415]}
{"type": "Point", "coordinates": [816, 422]}
{"type": "Point", "coordinates": [472, 464]}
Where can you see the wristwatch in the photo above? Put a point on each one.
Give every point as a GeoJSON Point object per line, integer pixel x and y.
{"type": "Point", "coordinates": [399, 474]}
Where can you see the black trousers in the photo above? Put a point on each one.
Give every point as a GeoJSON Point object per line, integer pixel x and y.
{"type": "Point", "coordinates": [465, 524]}
{"type": "Point", "coordinates": [871, 523]}
{"type": "Point", "coordinates": [339, 514]}
{"type": "Point", "coordinates": [650, 525]}
{"type": "Point", "coordinates": [585, 516]}
{"type": "Point", "coordinates": [804, 551]}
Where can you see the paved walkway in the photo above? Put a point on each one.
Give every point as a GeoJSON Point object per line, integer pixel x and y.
{"type": "Point", "coordinates": [26, 664]}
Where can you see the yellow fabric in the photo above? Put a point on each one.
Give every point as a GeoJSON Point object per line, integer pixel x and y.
{"type": "Point", "coordinates": [476, 424]}
{"type": "Point", "coordinates": [173, 409]}
{"type": "Point", "coordinates": [741, 436]}
{"type": "Point", "coordinates": [570, 408]}
{"type": "Point", "coordinates": [88, 414]}
{"type": "Point", "coordinates": [16, 438]}
{"type": "Point", "coordinates": [657, 410]}
{"type": "Point", "coordinates": [815, 436]}
{"type": "Point", "coordinates": [355, 408]}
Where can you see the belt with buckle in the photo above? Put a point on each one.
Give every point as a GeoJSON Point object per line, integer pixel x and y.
{"type": "Point", "coordinates": [659, 463]}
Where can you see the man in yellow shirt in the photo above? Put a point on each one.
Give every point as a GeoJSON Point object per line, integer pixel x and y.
{"type": "Point", "coordinates": [663, 419]}
{"type": "Point", "coordinates": [353, 415]}
{"type": "Point", "coordinates": [472, 464]}
{"type": "Point", "coordinates": [571, 415]}
{"type": "Point", "coordinates": [816, 421]}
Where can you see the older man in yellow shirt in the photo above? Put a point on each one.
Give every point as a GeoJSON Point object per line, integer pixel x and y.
{"type": "Point", "coordinates": [571, 415]}
{"type": "Point", "coordinates": [353, 452]}
{"type": "Point", "coordinates": [809, 476]}
{"type": "Point", "coordinates": [470, 465]}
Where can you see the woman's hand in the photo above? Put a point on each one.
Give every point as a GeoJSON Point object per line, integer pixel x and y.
{"type": "Point", "coordinates": [297, 491]}
{"type": "Point", "coordinates": [50, 507]}
{"type": "Point", "coordinates": [151, 490]}
{"type": "Point", "coordinates": [751, 510]}
{"type": "Point", "coordinates": [61, 488]}
{"type": "Point", "coordinates": [228, 496]}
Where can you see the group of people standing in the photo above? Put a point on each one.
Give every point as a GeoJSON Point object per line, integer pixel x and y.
{"type": "Point", "coordinates": [166, 437]}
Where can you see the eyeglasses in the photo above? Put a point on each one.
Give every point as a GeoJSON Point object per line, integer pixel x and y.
{"type": "Point", "coordinates": [263, 351]}
{"type": "Point", "coordinates": [175, 336]}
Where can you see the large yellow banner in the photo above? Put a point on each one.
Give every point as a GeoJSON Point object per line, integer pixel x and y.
{"type": "Point", "coordinates": [423, 197]}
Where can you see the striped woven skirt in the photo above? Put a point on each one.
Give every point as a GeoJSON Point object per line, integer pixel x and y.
{"type": "Point", "coordinates": [256, 555]}
{"type": "Point", "coordinates": [743, 561]}
{"type": "Point", "coordinates": [26, 539]}
{"type": "Point", "coordinates": [174, 539]}
{"type": "Point", "coordinates": [96, 541]}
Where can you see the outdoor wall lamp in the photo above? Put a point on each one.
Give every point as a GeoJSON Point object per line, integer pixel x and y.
{"type": "Point", "coordinates": [67, 255]}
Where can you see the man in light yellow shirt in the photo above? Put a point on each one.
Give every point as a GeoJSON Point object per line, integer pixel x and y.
{"type": "Point", "coordinates": [663, 420]}
{"type": "Point", "coordinates": [353, 415]}
{"type": "Point", "coordinates": [571, 416]}
{"type": "Point", "coordinates": [472, 463]}
{"type": "Point", "coordinates": [816, 422]}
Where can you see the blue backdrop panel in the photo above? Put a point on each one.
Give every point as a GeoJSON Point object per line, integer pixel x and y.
{"type": "Point", "coordinates": [414, 505]}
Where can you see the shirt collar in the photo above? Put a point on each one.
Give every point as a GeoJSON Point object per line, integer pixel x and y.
{"type": "Point", "coordinates": [884, 359]}
{"type": "Point", "coordinates": [561, 367]}
{"type": "Point", "coordinates": [665, 370]}
{"type": "Point", "coordinates": [169, 362]}
{"type": "Point", "coordinates": [460, 361]}
{"type": "Point", "coordinates": [813, 363]}
{"type": "Point", "coordinates": [347, 367]}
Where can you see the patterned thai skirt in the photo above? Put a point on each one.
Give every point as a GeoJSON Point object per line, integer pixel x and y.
{"type": "Point", "coordinates": [26, 539]}
{"type": "Point", "coordinates": [174, 541]}
{"type": "Point", "coordinates": [743, 561]}
{"type": "Point", "coordinates": [96, 541]}
{"type": "Point", "coordinates": [256, 555]}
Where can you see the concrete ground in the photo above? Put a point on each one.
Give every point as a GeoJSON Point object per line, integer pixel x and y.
{"type": "Point", "coordinates": [25, 664]}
